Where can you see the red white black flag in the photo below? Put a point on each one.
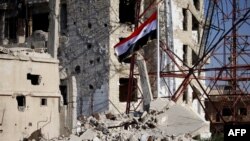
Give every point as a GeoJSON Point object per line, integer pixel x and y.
{"type": "Point", "coordinates": [137, 39]}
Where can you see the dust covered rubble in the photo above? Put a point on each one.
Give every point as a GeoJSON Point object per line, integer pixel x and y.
{"type": "Point", "coordinates": [139, 126]}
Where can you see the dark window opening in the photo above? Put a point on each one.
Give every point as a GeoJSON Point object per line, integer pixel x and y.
{"type": "Point", "coordinates": [35, 79]}
{"type": "Point", "coordinates": [195, 57]}
{"type": "Point", "coordinates": [185, 19]}
{"type": "Point", "coordinates": [185, 94]}
{"type": "Point", "coordinates": [64, 94]}
{"type": "Point", "coordinates": [78, 69]}
{"type": "Point", "coordinates": [105, 25]}
{"type": "Point", "coordinates": [195, 23]}
{"type": "Point", "coordinates": [43, 102]}
{"type": "Point", "coordinates": [123, 90]}
{"type": "Point", "coordinates": [218, 117]}
{"type": "Point", "coordinates": [242, 111]}
{"type": "Point", "coordinates": [40, 22]}
{"type": "Point", "coordinates": [197, 4]}
{"type": "Point", "coordinates": [227, 112]}
{"type": "Point", "coordinates": [63, 18]}
{"type": "Point", "coordinates": [127, 11]}
{"type": "Point", "coordinates": [10, 29]}
{"type": "Point", "coordinates": [21, 102]}
{"type": "Point", "coordinates": [185, 47]}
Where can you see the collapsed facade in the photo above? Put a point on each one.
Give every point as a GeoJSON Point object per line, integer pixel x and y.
{"type": "Point", "coordinates": [82, 35]}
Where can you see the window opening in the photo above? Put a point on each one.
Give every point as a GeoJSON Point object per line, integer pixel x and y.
{"type": "Point", "coordinates": [227, 112]}
{"type": "Point", "coordinates": [64, 93]}
{"type": "Point", "coordinates": [21, 102]}
{"type": "Point", "coordinates": [185, 19]}
{"type": "Point", "coordinates": [123, 90]}
{"type": "Point", "coordinates": [127, 11]}
{"type": "Point", "coordinates": [195, 23]}
{"type": "Point", "coordinates": [242, 111]}
{"type": "Point", "coordinates": [35, 79]}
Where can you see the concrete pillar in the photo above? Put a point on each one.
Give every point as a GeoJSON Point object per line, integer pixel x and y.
{"type": "Point", "coordinates": [2, 25]}
{"type": "Point", "coordinates": [72, 110]}
{"type": "Point", "coordinates": [146, 88]}
{"type": "Point", "coordinates": [53, 41]}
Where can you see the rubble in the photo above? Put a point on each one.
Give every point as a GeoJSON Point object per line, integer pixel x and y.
{"type": "Point", "coordinates": [173, 123]}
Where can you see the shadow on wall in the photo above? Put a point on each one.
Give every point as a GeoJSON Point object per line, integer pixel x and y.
{"type": "Point", "coordinates": [36, 135]}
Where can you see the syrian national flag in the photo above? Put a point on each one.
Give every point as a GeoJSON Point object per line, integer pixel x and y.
{"type": "Point", "coordinates": [137, 39]}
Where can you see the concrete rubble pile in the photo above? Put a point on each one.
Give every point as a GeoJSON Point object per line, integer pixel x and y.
{"type": "Point", "coordinates": [138, 126]}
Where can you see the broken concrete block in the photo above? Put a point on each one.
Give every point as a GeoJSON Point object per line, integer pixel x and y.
{"type": "Point", "coordinates": [162, 119]}
{"type": "Point", "coordinates": [144, 114]}
{"type": "Point", "coordinates": [133, 138]}
{"type": "Point", "coordinates": [160, 104]}
{"type": "Point", "coordinates": [38, 44]}
{"type": "Point", "coordinates": [74, 138]}
{"type": "Point", "coordinates": [89, 134]}
{"type": "Point", "coordinates": [144, 137]}
{"type": "Point", "coordinates": [96, 116]}
{"type": "Point", "coordinates": [96, 139]}
{"type": "Point", "coordinates": [110, 116]}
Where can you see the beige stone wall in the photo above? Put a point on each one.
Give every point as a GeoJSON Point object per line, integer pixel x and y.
{"type": "Point", "coordinates": [14, 75]}
{"type": "Point", "coordinates": [20, 122]}
{"type": "Point", "coordinates": [17, 125]}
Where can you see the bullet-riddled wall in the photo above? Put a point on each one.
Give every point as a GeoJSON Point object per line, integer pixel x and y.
{"type": "Point", "coordinates": [94, 27]}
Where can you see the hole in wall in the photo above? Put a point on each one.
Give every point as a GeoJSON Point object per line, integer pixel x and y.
{"type": "Point", "coordinates": [89, 45]}
{"type": "Point", "coordinates": [43, 102]}
{"type": "Point", "coordinates": [98, 60]}
{"type": "Point", "coordinates": [89, 25]}
{"type": "Point", "coordinates": [35, 79]}
{"type": "Point", "coordinates": [21, 102]}
{"type": "Point", "coordinates": [105, 25]}
{"type": "Point", "coordinates": [91, 87]}
{"type": "Point", "coordinates": [78, 69]}
{"type": "Point", "coordinates": [91, 62]}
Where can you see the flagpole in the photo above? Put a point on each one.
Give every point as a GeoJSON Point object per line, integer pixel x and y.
{"type": "Point", "coordinates": [158, 52]}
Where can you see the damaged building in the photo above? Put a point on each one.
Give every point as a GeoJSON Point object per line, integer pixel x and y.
{"type": "Point", "coordinates": [30, 95]}
{"type": "Point", "coordinates": [94, 27]}
{"type": "Point", "coordinates": [59, 55]}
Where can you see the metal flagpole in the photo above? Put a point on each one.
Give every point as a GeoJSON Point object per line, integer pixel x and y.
{"type": "Point", "coordinates": [158, 52]}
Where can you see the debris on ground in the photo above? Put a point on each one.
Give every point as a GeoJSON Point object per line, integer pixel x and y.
{"type": "Point", "coordinates": [173, 123]}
